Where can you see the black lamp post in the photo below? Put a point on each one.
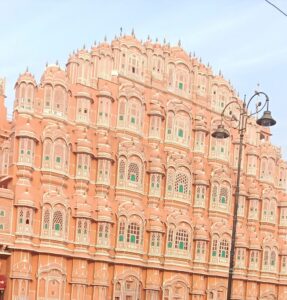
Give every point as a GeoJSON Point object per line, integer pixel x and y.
{"type": "Point", "coordinates": [222, 133]}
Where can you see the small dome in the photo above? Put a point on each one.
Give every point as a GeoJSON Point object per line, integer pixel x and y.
{"type": "Point", "coordinates": [54, 74]}
{"type": "Point", "coordinates": [27, 78]}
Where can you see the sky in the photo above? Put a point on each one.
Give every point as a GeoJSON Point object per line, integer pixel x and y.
{"type": "Point", "coordinates": [245, 39]}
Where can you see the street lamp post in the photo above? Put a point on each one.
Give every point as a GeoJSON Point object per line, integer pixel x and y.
{"type": "Point", "coordinates": [222, 133]}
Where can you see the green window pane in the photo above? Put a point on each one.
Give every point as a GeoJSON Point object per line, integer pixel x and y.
{"type": "Point", "coordinates": [58, 159]}
{"type": "Point", "coordinates": [169, 188]}
{"type": "Point", "coordinates": [21, 221]}
{"type": "Point", "coordinates": [223, 254]}
{"type": "Point", "coordinates": [181, 245]}
{"type": "Point", "coordinates": [85, 167]}
{"type": "Point", "coordinates": [223, 199]}
{"type": "Point", "coordinates": [79, 231]}
{"type": "Point", "coordinates": [1, 226]}
{"type": "Point", "coordinates": [169, 131]}
{"type": "Point", "coordinates": [100, 234]}
{"type": "Point", "coordinates": [46, 226]}
{"type": "Point", "coordinates": [28, 152]}
{"type": "Point", "coordinates": [57, 227]}
{"type": "Point", "coordinates": [133, 177]}
{"type": "Point", "coordinates": [133, 238]}
{"type": "Point", "coordinates": [180, 188]}
{"type": "Point", "coordinates": [222, 149]}
{"type": "Point", "coordinates": [133, 120]}
{"type": "Point", "coordinates": [180, 133]}
{"type": "Point", "coordinates": [152, 184]}
{"type": "Point", "coordinates": [169, 245]}
{"type": "Point", "coordinates": [121, 118]}
{"type": "Point", "coordinates": [152, 243]}
{"type": "Point", "coordinates": [47, 158]}
{"type": "Point", "coordinates": [213, 253]}
{"type": "Point", "coordinates": [121, 238]}
{"type": "Point", "coordinates": [22, 151]}
{"type": "Point", "coordinates": [79, 166]}
{"type": "Point", "coordinates": [100, 113]}
{"type": "Point", "coordinates": [180, 85]}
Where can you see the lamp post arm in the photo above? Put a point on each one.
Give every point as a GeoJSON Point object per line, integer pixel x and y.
{"type": "Point", "coordinates": [234, 221]}
{"type": "Point", "coordinates": [262, 107]}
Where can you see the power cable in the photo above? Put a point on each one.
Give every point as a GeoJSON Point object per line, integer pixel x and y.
{"type": "Point", "coordinates": [276, 7]}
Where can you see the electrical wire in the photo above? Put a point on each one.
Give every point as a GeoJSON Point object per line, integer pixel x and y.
{"type": "Point", "coordinates": [276, 7]}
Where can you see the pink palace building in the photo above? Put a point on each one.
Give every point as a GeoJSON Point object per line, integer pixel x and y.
{"type": "Point", "coordinates": [112, 188]}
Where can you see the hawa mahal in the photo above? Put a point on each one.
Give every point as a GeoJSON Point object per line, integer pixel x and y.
{"type": "Point", "coordinates": [112, 188]}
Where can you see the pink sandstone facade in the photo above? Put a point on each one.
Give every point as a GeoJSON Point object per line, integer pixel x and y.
{"type": "Point", "coordinates": [111, 186]}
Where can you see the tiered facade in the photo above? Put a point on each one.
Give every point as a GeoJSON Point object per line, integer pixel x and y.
{"type": "Point", "coordinates": [111, 186]}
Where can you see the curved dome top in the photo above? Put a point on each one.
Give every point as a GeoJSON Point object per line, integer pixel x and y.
{"type": "Point", "coordinates": [26, 77]}
{"type": "Point", "coordinates": [54, 75]}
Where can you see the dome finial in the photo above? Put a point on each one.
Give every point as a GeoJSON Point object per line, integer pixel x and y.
{"type": "Point", "coordinates": [105, 38]}
{"type": "Point", "coordinates": [179, 43]}
{"type": "Point", "coordinates": [148, 38]}
{"type": "Point", "coordinates": [164, 41]}
{"type": "Point", "coordinates": [121, 31]}
{"type": "Point", "coordinates": [84, 46]}
{"type": "Point", "coordinates": [133, 32]}
{"type": "Point", "coordinates": [156, 40]}
{"type": "Point", "coordinates": [46, 64]}
{"type": "Point", "coordinates": [27, 69]}
{"type": "Point", "coordinates": [95, 43]}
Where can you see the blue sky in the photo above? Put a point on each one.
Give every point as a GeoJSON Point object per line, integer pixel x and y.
{"type": "Point", "coordinates": [245, 39]}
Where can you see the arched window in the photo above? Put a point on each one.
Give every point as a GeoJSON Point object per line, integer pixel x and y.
{"type": "Point", "coordinates": [224, 250]}
{"type": "Point", "coordinates": [284, 265]}
{"type": "Point", "coordinates": [219, 148]}
{"type": "Point", "coordinates": [265, 212]}
{"type": "Point", "coordinates": [253, 209]}
{"type": "Point", "coordinates": [59, 103]}
{"type": "Point", "coordinates": [47, 154]}
{"type": "Point", "coordinates": [273, 260]}
{"type": "Point", "coordinates": [103, 175]}
{"type": "Point", "coordinates": [269, 259]}
{"type": "Point", "coordinates": [182, 129]}
{"type": "Point", "coordinates": [283, 216]}
{"type": "Point", "coordinates": [122, 113]}
{"type": "Point", "coordinates": [199, 143]}
{"type": "Point", "coordinates": [83, 226]}
{"type": "Point", "coordinates": [155, 127]}
{"type": "Point", "coordinates": [104, 108]}
{"type": "Point", "coordinates": [178, 184]}
{"type": "Point", "coordinates": [263, 168]}
{"type": "Point", "coordinates": [200, 251]}
{"type": "Point", "coordinates": [57, 227]}
{"type": "Point", "coordinates": [251, 165]}
{"type": "Point", "coordinates": [170, 182]}
{"type": "Point", "coordinates": [83, 165]}
{"type": "Point", "coordinates": [83, 110]}
{"type": "Point", "coordinates": [155, 243]}
{"type": "Point", "coordinates": [200, 191]}
{"type": "Point", "coordinates": [254, 259]}
{"type": "Point", "coordinates": [155, 185]}
{"type": "Point", "coordinates": [130, 233]}
{"type": "Point", "coordinates": [220, 250]}
{"type": "Point", "coordinates": [169, 126]}
{"type": "Point", "coordinates": [48, 94]}
{"type": "Point", "coordinates": [24, 224]}
{"type": "Point", "coordinates": [26, 150]}
{"type": "Point", "coordinates": [133, 172]}
{"type": "Point", "coordinates": [133, 234]}
{"type": "Point", "coordinates": [240, 258]}
{"type": "Point", "coordinates": [46, 221]}
{"type": "Point", "coordinates": [220, 194]}
{"type": "Point", "coordinates": [181, 239]}
{"type": "Point", "coordinates": [181, 184]}
{"type": "Point", "coordinates": [60, 155]}
{"type": "Point", "coordinates": [135, 115]}
{"type": "Point", "coordinates": [104, 234]}
{"type": "Point", "coordinates": [4, 161]}
{"type": "Point", "coordinates": [122, 171]}
{"type": "Point", "coordinates": [178, 241]}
